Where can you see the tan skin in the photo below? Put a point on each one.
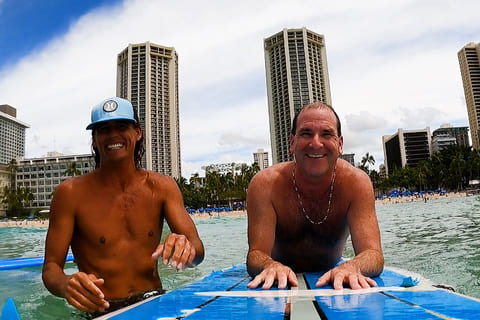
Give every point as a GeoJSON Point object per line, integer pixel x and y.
{"type": "Point", "coordinates": [282, 241]}
{"type": "Point", "coordinates": [113, 218]}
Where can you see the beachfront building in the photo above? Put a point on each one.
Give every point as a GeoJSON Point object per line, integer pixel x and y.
{"type": "Point", "coordinates": [349, 157]}
{"type": "Point", "coordinates": [147, 75]}
{"type": "Point", "coordinates": [224, 168]}
{"type": "Point", "coordinates": [447, 134]}
{"type": "Point", "coordinates": [296, 75]}
{"type": "Point", "coordinates": [406, 148]}
{"type": "Point", "coordinates": [469, 59]}
{"type": "Point", "coordinates": [12, 134]}
{"type": "Point", "coordinates": [42, 175]}
{"type": "Point", "coordinates": [440, 141]}
{"type": "Point", "coordinates": [261, 158]}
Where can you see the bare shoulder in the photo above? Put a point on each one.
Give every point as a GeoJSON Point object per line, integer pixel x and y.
{"type": "Point", "coordinates": [270, 182]}
{"type": "Point", "coordinates": [350, 173]}
{"type": "Point", "coordinates": [74, 184]}
{"type": "Point", "coordinates": [158, 181]}
{"type": "Point", "coordinates": [352, 180]}
{"type": "Point", "coordinates": [273, 174]}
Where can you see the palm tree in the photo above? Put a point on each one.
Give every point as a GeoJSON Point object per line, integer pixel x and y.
{"type": "Point", "coordinates": [13, 168]}
{"type": "Point", "coordinates": [72, 170]}
{"type": "Point", "coordinates": [366, 160]}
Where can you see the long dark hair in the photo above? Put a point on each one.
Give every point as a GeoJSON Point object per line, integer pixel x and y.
{"type": "Point", "coordinates": [139, 146]}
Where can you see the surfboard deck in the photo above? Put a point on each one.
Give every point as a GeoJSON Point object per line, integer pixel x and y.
{"type": "Point", "coordinates": [9, 311]}
{"type": "Point", "coordinates": [16, 263]}
{"type": "Point", "coordinates": [224, 295]}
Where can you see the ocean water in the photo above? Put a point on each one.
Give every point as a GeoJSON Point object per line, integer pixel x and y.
{"type": "Point", "coordinates": [439, 239]}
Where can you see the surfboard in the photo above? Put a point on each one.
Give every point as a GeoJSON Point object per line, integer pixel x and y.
{"type": "Point", "coordinates": [9, 311]}
{"type": "Point", "coordinates": [224, 295]}
{"type": "Point", "coordinates": [15, 263]}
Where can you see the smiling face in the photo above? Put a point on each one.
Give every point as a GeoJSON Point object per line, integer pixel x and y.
{"type": "Point", "coordinates": [115, 139]}
{"type": "Point", "coordinates": [316, 144]}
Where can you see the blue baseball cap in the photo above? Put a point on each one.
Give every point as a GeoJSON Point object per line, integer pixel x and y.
{"type": "Point", "coordinates": [112, 109]}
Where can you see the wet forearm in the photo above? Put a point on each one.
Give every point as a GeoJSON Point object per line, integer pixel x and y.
{"type": "Point", "coordinates": [257, 261]}
{"type": "Point", "coordinates": [54, 280]}
{"type": "Point", "coordinates": [369, 262]}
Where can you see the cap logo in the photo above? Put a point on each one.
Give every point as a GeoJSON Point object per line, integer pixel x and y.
{"type": "Point", "coordinates": [110, 106]}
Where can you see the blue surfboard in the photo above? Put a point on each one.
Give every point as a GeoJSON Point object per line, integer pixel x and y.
{"type": "Point", "coordinates": [9, 311]}
{"type": "Point", "coordinates": [15, 263]}
{"type": "Point", "coordinates": [224, 295]}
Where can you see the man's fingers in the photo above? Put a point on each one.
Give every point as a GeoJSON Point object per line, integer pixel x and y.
{"type": "Point", "coordinates": [324, 279]}
{"type": "Point", "coordinates": [83, 289]}
{"type": "Point", "coordinates": [282, 281]}
{"type": "Point", "coordinates": [158, 252]}
{"type": "Point", "coordinates": [269, 279]}
{"type": "Point", "coordinates": [292, 278]}
{"type": "Point", "coordinates": [255, 282]}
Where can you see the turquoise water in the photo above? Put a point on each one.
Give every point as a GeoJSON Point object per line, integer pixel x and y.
{"type": "Point", "coordinates": [439, 239]}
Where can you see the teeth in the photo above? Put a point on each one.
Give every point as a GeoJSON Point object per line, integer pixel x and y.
{"type": "Point", "coordinates": [115, 146]}
{"type": "Point", "coordinates": [316, 156]}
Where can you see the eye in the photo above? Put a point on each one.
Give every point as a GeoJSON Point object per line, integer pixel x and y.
{"type": "Point", "coordinates": [305, 133]}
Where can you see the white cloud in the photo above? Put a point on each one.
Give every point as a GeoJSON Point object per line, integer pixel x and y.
{"type": "Point", "coordinates": [391, 65]}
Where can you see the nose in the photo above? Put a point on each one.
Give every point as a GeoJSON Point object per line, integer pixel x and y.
{"type": "Point", "coordinates": [317, 141]}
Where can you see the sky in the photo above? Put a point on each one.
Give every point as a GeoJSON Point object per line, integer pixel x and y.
{"type": "Point", "coordinates": [392, 64]}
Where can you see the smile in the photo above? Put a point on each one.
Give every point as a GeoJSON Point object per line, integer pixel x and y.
{"type": "Point", "coordinates": [316, 156]}
{"type": "Point", "coordinates": [115, 146]}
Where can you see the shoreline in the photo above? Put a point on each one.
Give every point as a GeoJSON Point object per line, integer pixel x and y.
{"type": "Point", "coordinates": [424, 198]}
{"type": "Point", "coordinates": [43, 223]}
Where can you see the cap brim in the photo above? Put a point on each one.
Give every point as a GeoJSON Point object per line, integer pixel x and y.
{"type": "Point", "coordinates": [92, 125]}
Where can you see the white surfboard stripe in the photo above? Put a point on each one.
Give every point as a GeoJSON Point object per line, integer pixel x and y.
{"type": "Point", "coordinates": [294, 292]}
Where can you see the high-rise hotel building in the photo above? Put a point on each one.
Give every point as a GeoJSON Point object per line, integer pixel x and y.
{"type": "Point", "coordinates": [147, 75]}
{"type": "Point", "coordinates": [12, 134]}
{"type": "Point", "coordinates": [297, 74]}
{"type": "Point", "coordinates": [469, 59]}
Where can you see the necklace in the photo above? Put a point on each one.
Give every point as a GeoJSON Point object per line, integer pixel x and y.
{"type": "Point", "coordinates": [300, 202]}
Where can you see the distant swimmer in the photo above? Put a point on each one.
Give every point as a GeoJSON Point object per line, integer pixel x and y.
{"type": "Point", "coordinates": [113, 220]}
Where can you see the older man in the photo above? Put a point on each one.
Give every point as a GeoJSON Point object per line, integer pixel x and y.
{"type": "Point", "coordinates": [300, 213]}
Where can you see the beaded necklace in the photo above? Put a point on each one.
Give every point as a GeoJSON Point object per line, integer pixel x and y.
{"type": "Point", "coordinates": [300, 202]}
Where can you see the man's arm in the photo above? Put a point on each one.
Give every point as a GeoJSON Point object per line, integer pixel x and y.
{"type": "Point", "coordinates": [365, 235]}
{"type": "Point", "coordinates": [80, 290]}
{"type": "Point", "coordinates": [261, 236]}
{"type": "Point", "coordinates": [183, 247]}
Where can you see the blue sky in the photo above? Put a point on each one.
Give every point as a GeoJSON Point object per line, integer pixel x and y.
{"type": "Point", "coordinates": [34, 22]}
{"type": "Point", "coordinates": [391, 65]}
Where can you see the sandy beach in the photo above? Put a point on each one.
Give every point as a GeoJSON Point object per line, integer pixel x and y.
{"type": "Point", "coordinates": [424, 198]}
{"type": "Point", "coordinates": [43, 223]}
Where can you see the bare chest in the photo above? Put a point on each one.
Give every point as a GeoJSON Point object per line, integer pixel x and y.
{"type": "Point", "coordinates": [108, 219]}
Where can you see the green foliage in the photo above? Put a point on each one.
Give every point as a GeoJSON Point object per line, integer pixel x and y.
{"type": "Point", "coordinates": [17, 200]}
{"type": "Point", "coordinates": [452, 168]}
{"type": "Point", "coordinates": [72, 170]}
{"type": "Point", "coordinates": [217, 189]}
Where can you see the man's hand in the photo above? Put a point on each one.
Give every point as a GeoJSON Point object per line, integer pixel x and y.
{"type": "Point", "coordinates": [274, 271]}
{"type": "Point", "coordinates": [83, 292]}
{"type": "Point", "coordinates": [348, 275]}
{"type": "Point", "coordinates": [177, 250]}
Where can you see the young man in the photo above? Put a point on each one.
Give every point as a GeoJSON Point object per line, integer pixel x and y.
{"type": "Point", "coordinates": [113, 219]}
{"type": "Point", "coordinates": [300, 213]}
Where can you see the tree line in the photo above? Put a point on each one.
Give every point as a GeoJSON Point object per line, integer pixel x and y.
{"type": "Point", "coordinates": [216, 189]}
{"type": "Point", "coordinates": [452, 169]}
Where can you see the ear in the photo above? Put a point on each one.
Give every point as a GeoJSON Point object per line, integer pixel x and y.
{"type": "Point", "coordinates": [340, 145]}
{"type": "Point", "coordinates": [139, 133]}
{"type": "Point", "coordinates": [291, 138]}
